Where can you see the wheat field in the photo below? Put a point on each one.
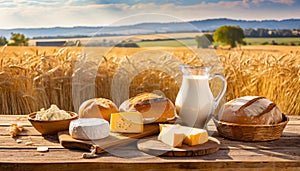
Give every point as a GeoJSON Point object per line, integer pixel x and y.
{"type": "Point", "coordinates": [36, 77]}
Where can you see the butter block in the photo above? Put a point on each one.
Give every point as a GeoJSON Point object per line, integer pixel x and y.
{"type": "Point", "coordinates": [126, 122]}
{"type": "Point", "coordinates": [171, 136]}
{"type": "Point", "coordinates": [192, 136]}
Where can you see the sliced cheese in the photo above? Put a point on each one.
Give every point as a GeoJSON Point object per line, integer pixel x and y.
{"type": "Point", "coordinates": [171, 136]}
{"type": "Point", "coordinates": [89, 128]}
{"type": "Point", "coordinates": [192, 136]}
{"type": "Point", "coordinates": [126, 122]}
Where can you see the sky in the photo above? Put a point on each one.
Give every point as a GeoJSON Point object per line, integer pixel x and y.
{"type": "Point", "coordinates": [69, 13]}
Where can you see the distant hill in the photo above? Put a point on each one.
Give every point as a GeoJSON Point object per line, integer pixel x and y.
{"type": "Point", "coordinates": [149, 28]}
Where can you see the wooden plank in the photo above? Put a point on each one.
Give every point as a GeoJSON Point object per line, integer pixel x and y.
{"type": "Point", "coordinates": [282, 143]}
{"type": "Point", "coordinates": [7, 142]}
{"type": "Point", "coordinates": [4, 131]}
{"type": "Point", "coordinates": [294, 117]}
{"type": "Point", "coordinates": [232, 150]}
{"type": "Point", "coordinates": [292, 128]}
{"type": "Point", "coordinates": [229, 148]}
{"type": "Point", "coordinates": [13, 117]}
{"type": "Point", "coordinates": [69, 156]}
{"type": "Point", "coordinates": [180, 166]}
{"type": "Point", "coordinates": [15, 159]}
{"type": "Point", "coordinates": [290, 134]}
{"type": "Point", "coordinates": [6, 120]}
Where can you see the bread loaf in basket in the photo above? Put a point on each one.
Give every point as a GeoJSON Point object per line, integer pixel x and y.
{"type": "Point", "coordinates": [251, 118]}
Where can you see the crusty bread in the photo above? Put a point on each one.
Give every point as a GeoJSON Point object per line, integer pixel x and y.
{"type": "Point", "coordinates": [153, 107]}
{"type": "Point", "coordinates": [97, 108]}
{"type": "Point", "coordinates": [253, 110]}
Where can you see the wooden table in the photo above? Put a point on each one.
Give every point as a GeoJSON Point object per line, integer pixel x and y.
{"type": "Point", "coordinates": [282, 154]}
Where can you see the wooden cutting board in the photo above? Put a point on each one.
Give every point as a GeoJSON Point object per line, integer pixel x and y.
{"type": "Point", "coordinates": [157, 148]}
{"type": "Point", "coordinates": [114, 139]}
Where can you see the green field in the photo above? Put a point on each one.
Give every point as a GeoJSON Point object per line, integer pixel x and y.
{"type": "Point", "coordinates": [168, 43]}
{"type": "Point", "coordinates": [280, 41]}
{"type": "Point", "coordinates": [249, 41]}
{"type": "Point", "coordinates": [157, 40]}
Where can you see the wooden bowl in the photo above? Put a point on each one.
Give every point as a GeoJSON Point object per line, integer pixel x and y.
{"type": "Point", "coordinates": [51, 127]}
{"type": "Point", "coordinates": [244, 132]}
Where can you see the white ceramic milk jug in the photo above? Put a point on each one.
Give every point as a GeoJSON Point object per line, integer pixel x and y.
{"type": "Point", "coordinates": [195, 102]}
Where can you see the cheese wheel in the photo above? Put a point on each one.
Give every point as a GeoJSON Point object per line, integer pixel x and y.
{"type": "Point", "coordinates": [97, 108]}
{"type": "Point", "coordinates": [253, 110]}
{"type": "Point", "coordinates": [89, 128]}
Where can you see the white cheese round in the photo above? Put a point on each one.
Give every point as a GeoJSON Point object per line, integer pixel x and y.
{"type": "Point", "coordinates": [89, 128]}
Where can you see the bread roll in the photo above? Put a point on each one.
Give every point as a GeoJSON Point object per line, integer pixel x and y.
{"type": "Point", "coordinates": [153, 107]}
{"type": "Point", "coordinates": [97, 108]}
{"type": "Point", "coordinates": [253, 110]}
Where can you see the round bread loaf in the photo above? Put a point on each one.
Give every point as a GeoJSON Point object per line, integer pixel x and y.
{"type": "Point", "coordinates": [252, 110]}
{"type": "Point", "coordinates": [153, 107]}
{"type": "Point", "coordinates": [97, 108]}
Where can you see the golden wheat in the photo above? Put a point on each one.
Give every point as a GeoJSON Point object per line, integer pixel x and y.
{"type": "Point", "coordinates": [35, 77]}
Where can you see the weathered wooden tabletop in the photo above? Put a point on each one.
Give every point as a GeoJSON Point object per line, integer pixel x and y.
{"type": "Point", "coordinates": [281, 154]}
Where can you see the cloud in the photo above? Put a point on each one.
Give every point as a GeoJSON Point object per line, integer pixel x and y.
{"type": "Point", "coordinates": [29, 3]}
{"type": "Point", "coordinates": [211, 5]}
{"type": "Point", "coordinates": [143, 6]}
{"type": "Point", "coordinates": [288, 2]}
{"type": "Point", "coordinates": [285, 2]}
{"type": "Point", "coordinates": [48, 13]}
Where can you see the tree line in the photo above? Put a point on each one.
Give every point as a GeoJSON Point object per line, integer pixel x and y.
{"type": "Point", "coordinates": [234, 35]}
{"type": "Point", "coordinates": [260, 32]}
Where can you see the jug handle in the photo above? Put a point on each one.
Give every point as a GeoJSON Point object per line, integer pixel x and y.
{"type": "Point", "coordinates": [223, 91]}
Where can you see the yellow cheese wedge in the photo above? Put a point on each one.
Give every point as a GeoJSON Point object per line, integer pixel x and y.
{"type": "Point", "coordinates": [192, 136]}
{"type": "Point", "coordinates": [126, 122]}
{"type": "Point", "coordinates": [171, 136]}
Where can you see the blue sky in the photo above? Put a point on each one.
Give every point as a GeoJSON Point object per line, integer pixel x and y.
{"type": "Point", "coordinates": [49, 13]}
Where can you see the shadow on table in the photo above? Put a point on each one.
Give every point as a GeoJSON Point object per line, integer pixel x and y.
{"type": "Point", "coordinates": [132, 152]}
{"type": "Point", "coordinates": [51, 138]}
{"type": "Point", "coordinates": [282, 148]}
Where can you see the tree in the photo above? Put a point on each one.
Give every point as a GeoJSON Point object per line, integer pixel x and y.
{"type": "Point", "coordinates": [229, 35]}
{"type": "Point", "coordinates": [204, 40]}
{"type": "Point", "coordinates": [3, 40]}
{"type": "Point", "coordinates": [19, 39]}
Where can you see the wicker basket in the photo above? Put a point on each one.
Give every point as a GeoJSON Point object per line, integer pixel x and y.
{"type": "Point", "coordinates": [251, 132]}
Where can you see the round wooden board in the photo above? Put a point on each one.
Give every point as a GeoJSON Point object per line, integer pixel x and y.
{"type": "Point", "coordinates": [157, 148]}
